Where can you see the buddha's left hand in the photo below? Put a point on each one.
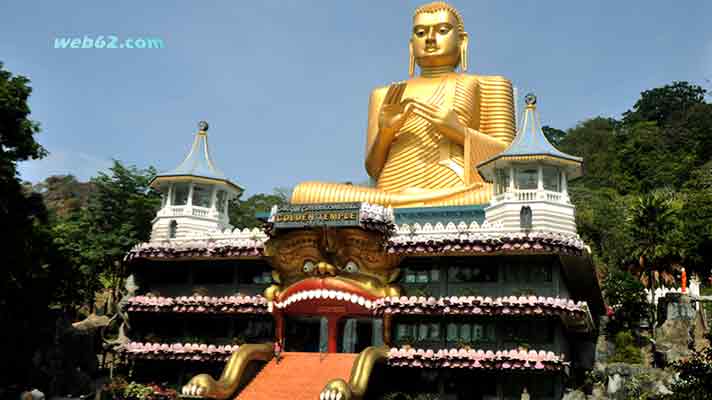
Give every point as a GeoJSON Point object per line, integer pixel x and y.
{"type": "Point", "coordinates": [444, 120]}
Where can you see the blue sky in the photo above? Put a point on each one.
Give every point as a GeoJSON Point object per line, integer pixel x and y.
{"type": "Point", "coordinates": [285, 85]}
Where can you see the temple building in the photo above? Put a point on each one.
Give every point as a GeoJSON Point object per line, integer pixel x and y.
{"type": "Point", "coordinates": [459, 274]}
{"type": "Point", "coordinates": [503, 295]}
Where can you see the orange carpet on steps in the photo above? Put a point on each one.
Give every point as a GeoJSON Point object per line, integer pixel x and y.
{"type": "Point", "coordinates": [299, 376]}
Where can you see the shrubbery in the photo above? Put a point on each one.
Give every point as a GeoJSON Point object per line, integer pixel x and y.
{"type": "Point", "coordinates": [120, 389]}
{"type": "Point", "coordinates": [626, 349]}
{"type": "Point", "coordinates": [626, 296]}
{"type": "Point", "coordinates": [694, 381]}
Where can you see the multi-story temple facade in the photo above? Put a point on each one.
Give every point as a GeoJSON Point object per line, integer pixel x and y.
{"type": "Point", "coordinates": [459, 273]}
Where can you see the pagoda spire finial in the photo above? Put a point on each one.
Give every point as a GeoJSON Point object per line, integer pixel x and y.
{"type": "Point", "coordinates": [530, 101]}
{"type": "Point", "coordinates": [203, 127]}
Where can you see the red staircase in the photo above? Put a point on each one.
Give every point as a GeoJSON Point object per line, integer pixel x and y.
{"type": "Point", "coordinates": [299, 376]}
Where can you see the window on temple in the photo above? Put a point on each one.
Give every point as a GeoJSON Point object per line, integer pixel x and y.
{"type": "Point", "coordinates": [428, 276]}
{"type": "Point", "coordinates": [421, 271]}
{"type": "Point", "coordinates": [526, 178]}
{"type": "Point", "coordinates": [254, 274]}
{"type": "Point", "coordinates": [202, 195]}
{"type": "Point", "coordinates": [172, 229]}
{"type": "Point", "coordinates": [502, 180]}
{"type": "Point", "coordinates": [540, 273]}
{"type": "Point", "coordinates": [434, 331]}
{"type": "Point", "coordinates": [463, 271]}
{"type": "Point", "coordinates": [180, 194]}
{"type": "Point", "coordinates": [417, 332]}
{"type": "Point", "coordinates": [423, 331]}
{"type": "Point", "coordinates": [529, 332]}
{"type": "Point", "coordinates": [518, 271]}
{"type": "Point", "coordinates": [552, 179]}
{"type": "Point", "coordinates": [221, 200]}
{"type": "Point", "coordinates": [404, 332]}
{"type": "Point", "coordinates": [165, 274]}
{"type": "Point", "coordinates": [212, 274]}
{"type": "Point", "coordinates": [471, 332]}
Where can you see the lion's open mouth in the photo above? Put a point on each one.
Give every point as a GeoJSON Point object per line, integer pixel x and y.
{"type": "Point", "coordinates": [326, 291]}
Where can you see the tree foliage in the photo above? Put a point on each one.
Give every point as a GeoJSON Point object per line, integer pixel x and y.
{"type": "Point", "coordinates": [664, 104]}
{"type": "Point", "coordinates": [63, 194]}
{"type": "Point", "coordinates": [95, 238]}
{"type": "Point", "coordinates": [626, 297]}
{"type": "Point", "coordinates": [243, 213]}
{"type": "Point", "coordinates": [31, 266]}
{"type": "Point", "coordinates": [662, 145]}
{"type": "Point", "coordinates": [695, 376]}
{"type": "Point", "coordinates": [553, 135]}
{"type": "Point", "coordinates": [652, 220]}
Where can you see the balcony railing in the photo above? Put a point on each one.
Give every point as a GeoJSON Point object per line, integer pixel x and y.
{"type": "Point", "coordinates": [525, 195]}
{"type": "Point", "coordinates": [530, 195]}
{"type": "Point", "coordinates": [200, 212]}
{"type": "Point", "coordinates": [195, 211]}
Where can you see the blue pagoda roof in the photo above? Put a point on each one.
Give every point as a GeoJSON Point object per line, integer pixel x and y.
{"type": "Point", "coordinates": [531, 142]}
{"type": "Point", "coordinates": [198, 162]}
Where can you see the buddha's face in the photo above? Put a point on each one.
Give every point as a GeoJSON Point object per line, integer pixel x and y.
{"type": "Point", "coordinates": [435, 39]}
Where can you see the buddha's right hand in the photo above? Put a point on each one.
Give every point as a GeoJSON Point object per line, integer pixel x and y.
{"type": "Point", "coordinates": [391, 118]}
{"type": "Point", "coordinates": [393, 111]}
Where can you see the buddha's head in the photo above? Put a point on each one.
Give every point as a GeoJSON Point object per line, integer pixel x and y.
{"type": "Point", "coordinates": [438, 38]}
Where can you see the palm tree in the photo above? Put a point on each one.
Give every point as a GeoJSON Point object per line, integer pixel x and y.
{"type": "Point", "coordinates": [652, 222]}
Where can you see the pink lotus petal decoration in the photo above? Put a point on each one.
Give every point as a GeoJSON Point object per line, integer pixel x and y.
{"type": "Point", "coordinates": [199, 304]}
{"type": "Point", "coordinates": [475, 359]}
{"type": "Point", "coordinates": [566, 309]}
{"type": "Point", "coordinates": [178, 351]}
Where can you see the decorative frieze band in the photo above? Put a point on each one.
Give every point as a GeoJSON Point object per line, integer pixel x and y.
{"type": "Point", "coordinates": [476, 359]}
{"type": "Point", "coordinates": [178, 351]}
{"type": "Point", "coordinates": [199, 304]}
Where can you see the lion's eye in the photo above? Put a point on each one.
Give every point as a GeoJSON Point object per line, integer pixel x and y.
{"type": "Point", "coordinates": [308, 266]}
{"type": "Point", "coordinates": [351, 267]}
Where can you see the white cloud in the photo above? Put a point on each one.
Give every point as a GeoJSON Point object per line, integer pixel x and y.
{"type": "Point", "coordinates": [60, 162]}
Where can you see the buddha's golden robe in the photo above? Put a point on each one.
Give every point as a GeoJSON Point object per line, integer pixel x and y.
{"type": "Point", "coordinates": [425, 168]}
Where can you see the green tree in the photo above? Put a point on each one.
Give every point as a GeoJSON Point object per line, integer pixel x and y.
{"type": "Point", "coordinates": [118, 215]}
{"type": "Point", "coordinates": [643, 161]}
{"type": "Point", "coordinates": [599, 212]}
{"type": "Point", "coordinates": [595, 141]}
{"type": "Point", "coordinates": [626, 296]}
{"type": "Point", "coordinates": [553, 135]}
{"type": "Point", "coordinates": [30, 265]}
{"type": "Point", "coordinates": [663, 104]}
{"type": "Point", "coordinates": [243, 213]}
{"type": "Point", "coordinates": [63, 194]}
{"type": "Point", "coordinates": [652, 220]}
{"type": "Point", "coordinates": [653, 224]}
{"type": "Point", "coordinates": [696, 220]}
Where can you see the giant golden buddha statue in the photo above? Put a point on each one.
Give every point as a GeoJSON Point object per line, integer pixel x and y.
{"type": "Point", "coordinates": [427, 134]}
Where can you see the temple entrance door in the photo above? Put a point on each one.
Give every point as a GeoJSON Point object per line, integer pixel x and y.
{"type": "Point", "coordinates": [306, 334]}
{"type": "Point", "coordinates": [355, 334]}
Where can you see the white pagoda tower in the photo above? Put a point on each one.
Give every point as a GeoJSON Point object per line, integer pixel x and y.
{"type": "Point", "coordinates": [530, 181]}
{"type": "Point", "coordinates": [195, 195]}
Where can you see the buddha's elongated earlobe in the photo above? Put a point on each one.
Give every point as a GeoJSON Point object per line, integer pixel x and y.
{"type": "Point", "coordinates": [411, 60]}
{"type": "Point", "coordinates": [464, 41]}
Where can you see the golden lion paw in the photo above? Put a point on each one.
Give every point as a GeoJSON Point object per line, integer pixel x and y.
{"type": "Point", "coordinates": [336, 390]}
{"type": "Point", "coordinates": [199, 386]}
